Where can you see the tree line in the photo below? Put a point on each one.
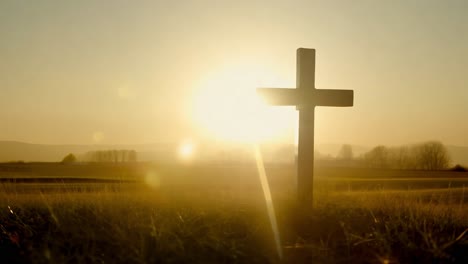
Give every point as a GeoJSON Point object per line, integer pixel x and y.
{"type": "Point", "coordinates": [114, 156]}
{"type": "Point", "coordinates": [431, 155]}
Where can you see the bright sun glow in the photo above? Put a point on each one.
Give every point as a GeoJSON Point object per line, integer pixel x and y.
{"type": "Point", "coordinates": [186, 150]}
{"type": "Point", "coordinates": [228, 107]}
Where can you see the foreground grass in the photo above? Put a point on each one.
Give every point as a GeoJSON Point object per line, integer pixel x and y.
{"type": "Point", "coordinates": [183, 225]}
{"type": "Point", "coordinates": [383, 227]}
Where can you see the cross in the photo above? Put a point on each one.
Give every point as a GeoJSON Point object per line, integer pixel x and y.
{"type": "Point", "coordinates": [305, 97]}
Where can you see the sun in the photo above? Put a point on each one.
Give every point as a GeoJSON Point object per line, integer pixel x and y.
{"type": "Point", "coordinates": [227, 106]}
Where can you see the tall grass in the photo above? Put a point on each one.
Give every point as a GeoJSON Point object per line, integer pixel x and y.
{"type": "Point", "coordinates": [188, 225]}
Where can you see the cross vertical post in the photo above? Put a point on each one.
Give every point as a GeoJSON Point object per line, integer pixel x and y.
{"type": "Point", "coordinates": [305, 80]}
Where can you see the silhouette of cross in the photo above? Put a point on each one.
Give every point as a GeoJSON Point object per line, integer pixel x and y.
{"type": "Point", "coordinates": [305, 97]}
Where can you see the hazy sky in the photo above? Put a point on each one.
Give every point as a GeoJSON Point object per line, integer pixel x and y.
{"type": "Point", "coordinates": [127, 71]}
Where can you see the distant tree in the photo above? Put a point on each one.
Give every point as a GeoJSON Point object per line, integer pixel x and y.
{"type": "Point", "coordinates": [346, 152]}
{"type": "Point", "coordinates": [378, 157]}
{"type": "Point", "coordinates": [70, 158]}
{"type": "Point", "coordinates": [432, 155]}
{"type": "Point", "coordinates": [459, 168]}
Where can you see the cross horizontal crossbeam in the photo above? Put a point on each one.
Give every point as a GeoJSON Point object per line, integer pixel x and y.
{"type": "Point", "coordinates": [307, 97]}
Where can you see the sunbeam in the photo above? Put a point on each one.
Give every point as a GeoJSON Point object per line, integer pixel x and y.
{"type": "Point", "coordinates": [268, 199]}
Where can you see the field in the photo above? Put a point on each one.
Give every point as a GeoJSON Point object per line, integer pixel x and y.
{"type": "Point", "coordinates": [216, 213]}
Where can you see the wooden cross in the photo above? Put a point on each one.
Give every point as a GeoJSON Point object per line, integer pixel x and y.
{"type": "Point", "coordinates": [305, 97]}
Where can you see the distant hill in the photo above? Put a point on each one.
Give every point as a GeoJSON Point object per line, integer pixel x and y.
{"type": "Point", "coordinates": [20, 151]}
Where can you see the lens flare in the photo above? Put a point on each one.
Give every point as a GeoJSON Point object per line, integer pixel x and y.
{"type": "Point", "coordinates": [186, 150]}
{"type": "Point", "coordinates": [268, 199]}
{"type": "Point", "coordinates": [152, 179]}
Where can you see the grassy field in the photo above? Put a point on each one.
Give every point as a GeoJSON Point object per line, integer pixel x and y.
{"type": "Point", "coordinates": [146, 213]}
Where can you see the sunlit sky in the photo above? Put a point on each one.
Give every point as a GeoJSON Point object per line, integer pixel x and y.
{"type": "Point", "coordinates": [124, 72]}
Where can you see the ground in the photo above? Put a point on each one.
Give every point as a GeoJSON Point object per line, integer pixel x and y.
{"type": "Point", "coordinates": [172, 213]}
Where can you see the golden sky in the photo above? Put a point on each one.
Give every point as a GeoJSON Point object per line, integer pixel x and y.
{"type": "Point", "coordinates": [84, 72]}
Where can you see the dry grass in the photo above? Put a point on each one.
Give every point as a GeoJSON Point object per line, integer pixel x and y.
{"type": "Point", "coordinates": [133, 223]}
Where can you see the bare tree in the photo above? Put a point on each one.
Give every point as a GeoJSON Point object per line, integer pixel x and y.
{"type": "Point", "coordinates": [432, 155]}
{"type": "Point", "coordinates": [377, 157]}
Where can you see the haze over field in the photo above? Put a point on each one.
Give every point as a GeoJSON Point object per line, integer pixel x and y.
{"type": "Point", "coordinates": [170, 151]}
{"type": "Point", "coordinates": [124, 72]}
